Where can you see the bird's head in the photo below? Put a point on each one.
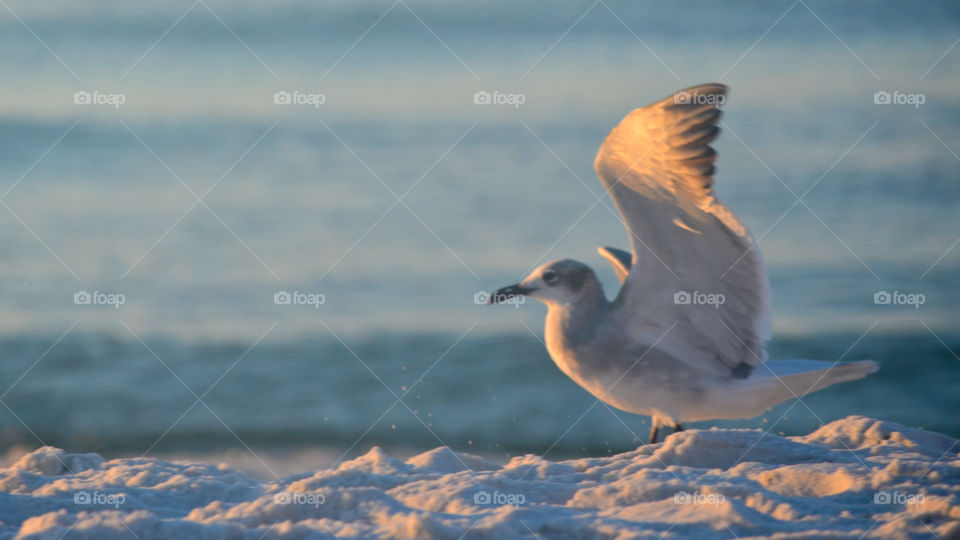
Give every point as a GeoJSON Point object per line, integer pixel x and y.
{"type": "Point", "coordinates": [554, 283]}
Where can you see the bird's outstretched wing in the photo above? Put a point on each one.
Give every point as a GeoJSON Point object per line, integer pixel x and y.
{"type": "Point", "coordinates": [618, 259]}
{"type": "Point", "coordinates": [694, 263]}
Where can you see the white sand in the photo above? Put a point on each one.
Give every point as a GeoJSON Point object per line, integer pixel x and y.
{"type": "Point", "coordinates": [853, 477]}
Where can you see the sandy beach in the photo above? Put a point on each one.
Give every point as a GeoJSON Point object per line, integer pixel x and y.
{"type": "Point", "coordinates": [853, 478]}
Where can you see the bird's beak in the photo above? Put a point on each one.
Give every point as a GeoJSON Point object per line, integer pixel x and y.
{"type": "Point", "coordinates": [506, 293]}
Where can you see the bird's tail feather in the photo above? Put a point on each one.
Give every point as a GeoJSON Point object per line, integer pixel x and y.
{"type": "Point", "coordinates": [778, 381]}
{"type": "Point", "coordinates": [797, 378]}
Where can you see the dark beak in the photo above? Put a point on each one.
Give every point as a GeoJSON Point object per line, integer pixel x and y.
{"type": "Point", "coordinates": [506, 293]}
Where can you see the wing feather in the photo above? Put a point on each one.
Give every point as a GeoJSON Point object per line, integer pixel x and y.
{"type": "Point", "coordinates": [618, 259]}
{"type": "Point", "coordinates": [658, 167]}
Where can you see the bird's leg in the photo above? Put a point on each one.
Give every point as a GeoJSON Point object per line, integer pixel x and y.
{"type": "Point", "coordinates": [652, 439]}
{"type": "Point", "coordinates": [677, 428]}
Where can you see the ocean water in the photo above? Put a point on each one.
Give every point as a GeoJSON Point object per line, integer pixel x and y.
{"type": "Point", "coordinates": [398, 200]}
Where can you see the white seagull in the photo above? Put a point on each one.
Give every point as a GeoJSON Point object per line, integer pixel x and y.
{"type": "Point", "coordinates": [684, 339]}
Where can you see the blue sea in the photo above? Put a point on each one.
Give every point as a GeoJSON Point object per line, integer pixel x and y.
{"type": "Point", "coordinates": [178, 164]}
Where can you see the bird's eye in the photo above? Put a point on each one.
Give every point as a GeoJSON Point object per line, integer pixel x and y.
{"type": "Point", "coordinates": [549, 276]}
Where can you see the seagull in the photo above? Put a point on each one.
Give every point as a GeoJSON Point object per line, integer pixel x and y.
{"type": "Point", "coordinates": [683, 341]}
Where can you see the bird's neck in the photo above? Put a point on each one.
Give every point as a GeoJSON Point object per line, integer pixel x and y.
{"type": "Point", "coordinates": [570, 326]}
